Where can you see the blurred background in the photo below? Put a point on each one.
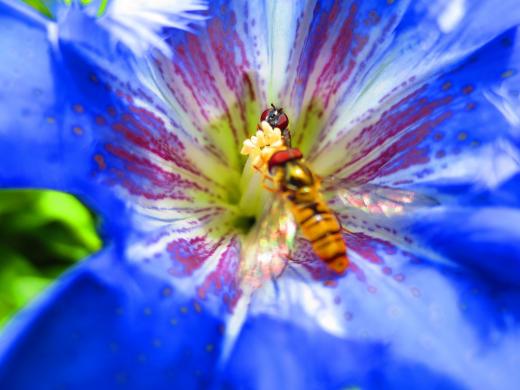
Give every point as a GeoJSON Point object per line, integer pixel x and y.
{"type": "Point", "coordinates": [43, 233]}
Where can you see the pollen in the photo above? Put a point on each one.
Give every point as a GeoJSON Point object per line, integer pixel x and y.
{"type": "Point", "coordinates": [261, 146]}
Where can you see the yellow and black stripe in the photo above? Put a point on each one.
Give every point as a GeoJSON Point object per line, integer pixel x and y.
{"type": "Point", "coordinates": [321, 227]}
{"type": "Point", "coordinates": [301, 189]}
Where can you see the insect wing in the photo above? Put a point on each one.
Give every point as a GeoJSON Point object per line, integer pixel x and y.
{"type": "Point", "coordinates": [269, 244]}
{"type": "Point", "coordinates": [381, 200]}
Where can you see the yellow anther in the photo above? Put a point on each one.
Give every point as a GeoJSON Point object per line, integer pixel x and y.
{"type": "Point", "coordinates": [247, 147]}
{"type": "Point", "coordinates": [275, 136]}
{"type": "Point", "coordinates": [261, 139]}
{"type": "Point", "coordinates": [261, 146]}
{"type": "Point", "coordinates": [265, 126]}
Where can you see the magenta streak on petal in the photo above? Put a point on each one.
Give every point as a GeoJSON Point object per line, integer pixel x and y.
{"type": "Point", "coordinates": [155, 138]}
{"type": "Point", "coordinates": [211, 69]}
{"type": "Point", "coordinates": [196, 219]}
{"type": "Point", "coordinates": [224, 282]}
{"type": "Point", "coordinates": [413, 110]}
{"type": "Point", "coordinates": [198, 92]}
{"type": "Point", "coordinates": [227, 49]}
{"type": "Point", "coordinates": [317, 37]}
{"type": "Point", "coordinates": [406, 147]}
{"type": "Point", "coordinates": [369, 247]}
{"type": "Point", "coordinates": [394, 91]}
{"type": "Point", "coordinates": [346, 40]}
{"type": "Point", "coordinates": [138, 141]}
{"type": "Point", "coordinates": [222, 40]}
{"type": "Point", "coordinates": [197, 77]}
{"type": "Point", "coordinates": [380, 252]}
{"type": "Point", "coordinates": [357, 75]}
{"type": "Point", "coordinates": [315, 40]}
{"type": "Point", "coordinates": [158, 184]}
{"type": "Point", "coordinates": [337, 69]}
{"type": "Point", "coordinates": [335, 73]}
{"type": "Point", "coordinates": [188, 255]}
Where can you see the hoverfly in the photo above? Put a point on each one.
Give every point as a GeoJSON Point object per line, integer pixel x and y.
{"type": "Point", "coordinates": [295, 182]}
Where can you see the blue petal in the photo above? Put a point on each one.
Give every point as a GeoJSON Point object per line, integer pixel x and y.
{"type": "Point", "coordinates": [504, 195]}
{"type": "Point", "coordinates": [457, 145]}
{"type": "Point", "coordinates": [29, 138]}
{"type": "Point", "coordinates": [451, 29]}
{"type": "Point", "coordinates": [397, 320]}
{"type": "Point", "coordinates": [480, 235]}
{"type": "Point", "coordinates": [78, 117]}
{"type": "Point", "coordinates": [273, 354]}
{"type": "Point", "coordinates": [428, 116]}
{"type": "Point", "coordinates": [454, 140]}
{"type": "Point", "coordinates": [485, 240]}
{"type": "Point", "coordinates": [44, 130]}
{"type": "Point", "coordinates": [106, 325]}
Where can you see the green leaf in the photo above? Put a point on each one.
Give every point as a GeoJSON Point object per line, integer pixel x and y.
{"type": "Point", "coordinates": [43, 234]}
{"type": "Point", "coordinates": [46, 7]}
{"type": "Point", "coordinates": [40, 6]}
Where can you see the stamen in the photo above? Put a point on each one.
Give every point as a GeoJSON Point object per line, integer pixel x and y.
{"type": "Point", "coordinates": [263, 145]}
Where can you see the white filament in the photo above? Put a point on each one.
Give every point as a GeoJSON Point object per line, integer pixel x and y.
{"type": "Point", "coordinates": [138, 23]}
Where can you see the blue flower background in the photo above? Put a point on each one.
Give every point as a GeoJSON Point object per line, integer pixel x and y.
{"type": "Point", "coordinates": [408, 110]}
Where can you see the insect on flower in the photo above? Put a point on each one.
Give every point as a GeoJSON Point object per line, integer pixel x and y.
{"type": "Point", "coordinates": [278, 119]}
{"type": "Point", "coordinates": [294, 180]}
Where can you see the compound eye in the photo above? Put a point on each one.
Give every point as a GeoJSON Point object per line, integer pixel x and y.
{"type": "Point", "coordinates": [283, 121]}
{"type": "Point", "coordinates": [265, 114]}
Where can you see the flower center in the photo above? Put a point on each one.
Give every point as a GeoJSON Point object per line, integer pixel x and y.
{"type": "Point", "coordinates": [265, 224]}
{"type": "Point", "coordinates": [253, 198]}
{"type": "Point", "coordinates": [244, 223]}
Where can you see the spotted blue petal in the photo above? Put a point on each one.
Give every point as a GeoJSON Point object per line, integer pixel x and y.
{"type": "Point", "coordinates": [398, 319]}
{"type": "Point", "coordinates": [107, 325]}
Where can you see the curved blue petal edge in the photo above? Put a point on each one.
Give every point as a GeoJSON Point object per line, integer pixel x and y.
{"type": "Point", "coordinates": [485, 240]}
{"type": "Point", "coordinates": [108, 324]}
{"type": "Point", "coordinates": [425, 325]}
{"type": "Point", "coordinates": [294, 358]}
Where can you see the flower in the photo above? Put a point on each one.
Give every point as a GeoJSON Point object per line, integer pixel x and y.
{"type": "Point", "coordinates": [407, 110]}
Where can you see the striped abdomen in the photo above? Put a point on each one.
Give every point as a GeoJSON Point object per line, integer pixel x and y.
{"type": "Point", "coordinates": [321, 227]}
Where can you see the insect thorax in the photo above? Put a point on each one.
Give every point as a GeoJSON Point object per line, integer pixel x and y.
{"type": "Point", "coordinates": [296, 177]}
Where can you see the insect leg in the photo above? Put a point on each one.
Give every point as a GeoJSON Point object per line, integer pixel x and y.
{"type": "Point", "coordinates": [270, 189]}
{"type": "Point", "coordinates": [270, 179]}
